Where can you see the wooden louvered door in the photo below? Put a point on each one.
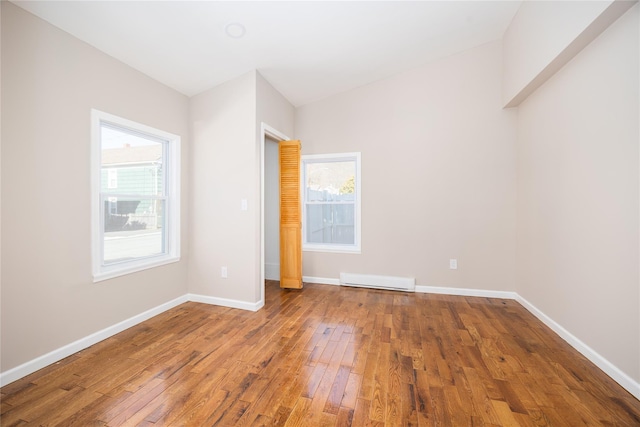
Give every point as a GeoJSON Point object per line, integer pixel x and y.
{"type": "Point", "coordinates": [290, 215]}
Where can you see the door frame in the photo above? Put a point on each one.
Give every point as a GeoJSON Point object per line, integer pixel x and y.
{"type": "Point", "coordinates": [265, 131]}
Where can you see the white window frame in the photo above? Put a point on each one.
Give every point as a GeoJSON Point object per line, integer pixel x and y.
{"type": "Point", "coordinates": [325, 247]}
{"type": "Point", "coordinates": [102, 271]}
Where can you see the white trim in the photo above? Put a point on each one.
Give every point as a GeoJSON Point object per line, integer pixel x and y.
{"type": "Point", "coordinates": [53, 356]}
{"type": "Point", "coordinates": [96, 220]}
{"type": "Point", "coordinates": [465, 292]}
{"type": "Point", "coordinates": [356, 248]}
{"type": "Point", "coordinates": [171, 152]}
{"type": "Point", "coordinates": [624, 380]}
{"type": "Point", "coordinates": [606, 366]}
{"type": "Point", "coordinates": [334, 249]}
{"type": "Point", "coordinates": [224, 302]}
{"type": "Point", "coordinates": [320, 280]}
{"type": "Point", "coordinates": [265, 130]}
{"type": "Point", "coordinates": [127, 165]}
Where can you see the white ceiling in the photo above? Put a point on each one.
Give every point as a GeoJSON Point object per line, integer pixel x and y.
{"type": "Point", "coordinates": [306, 50]}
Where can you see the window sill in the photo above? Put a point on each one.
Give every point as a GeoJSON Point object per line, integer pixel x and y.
{"type": "Point", "coordinates": [332, 249]}
{"type": "Point", "coordinates": [117, 271]}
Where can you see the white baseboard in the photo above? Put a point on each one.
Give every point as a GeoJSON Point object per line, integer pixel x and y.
{"type": "Point", "coordinates": [56, 355]}
{"type": "Point", "coordinates": [27, 368]}
{"type": "Point", "coordinates": [224, 302]}
{"type": "Point", "coordinates": [320, 280]}
{"type": "Point", "coordinates": [609, 368]}
{"type": "Point", "coordinates": [271, 271]}
{"type": "Point", "coordinates": [465, 292]}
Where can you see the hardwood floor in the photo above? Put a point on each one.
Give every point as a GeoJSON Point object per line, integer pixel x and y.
{"type": "Point", "coordinates": [327, 356]}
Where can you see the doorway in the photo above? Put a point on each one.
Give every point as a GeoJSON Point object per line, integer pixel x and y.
{"type": "Point", "coordinates": [271, 211]}
{"type": "Point", "coordinates": [269, 138]}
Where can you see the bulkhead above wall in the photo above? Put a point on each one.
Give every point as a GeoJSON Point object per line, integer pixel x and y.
{"type": "Point", "coordinates": [544, 36]}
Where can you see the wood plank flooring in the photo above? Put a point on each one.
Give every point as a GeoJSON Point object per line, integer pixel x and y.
{"type": "Point", "coordinates": [327, 356]}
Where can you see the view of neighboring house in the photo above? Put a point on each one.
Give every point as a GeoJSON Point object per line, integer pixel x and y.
{"type": "Point", "coordinates": [133, 171]}
{"type": "Point", "coordinates": [131, 178]}
{"type": "Point", "coordinates": [507, 167]}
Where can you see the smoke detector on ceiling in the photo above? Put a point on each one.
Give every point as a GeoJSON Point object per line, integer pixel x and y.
{"type": "Point", "coordinates": [235, 30]}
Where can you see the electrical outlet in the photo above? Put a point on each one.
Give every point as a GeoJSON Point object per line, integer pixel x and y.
{"type": "Point", "coordinates": [453, 264]}
{"type": "Point", "coordinates": [223, 272]}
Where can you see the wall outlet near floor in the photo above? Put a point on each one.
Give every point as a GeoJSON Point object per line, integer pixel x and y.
{"type": "Point", "coordinates": [453, 264]}
{"type": "Point", "coordinates": [223, 272]}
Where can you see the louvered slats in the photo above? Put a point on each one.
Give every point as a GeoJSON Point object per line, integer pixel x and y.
{"type": "Point", "coordinates": [289, 183]}
{"type": "Point", "coordinates": [290, 215]}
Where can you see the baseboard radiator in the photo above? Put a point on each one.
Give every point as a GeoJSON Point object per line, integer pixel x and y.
{"type": "Point", "coordinates": [407, 284]}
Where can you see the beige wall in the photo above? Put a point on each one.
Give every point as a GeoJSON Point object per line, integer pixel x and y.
{"type": "Point", "coordinates": [578, 183]}
{"type": "Point", "coordinates": [50, 83]}
{"type": "Point", "coordinates": [222, 174]}
{"type": "Point", "coordinates": [274, 110]}
{"type": "Point", "coordinates": [438, 172]}
{"type": "Point", "coordinates": [225, 168]}
{"type": "Point", "coordinates": [439, 177]}
{"type": "Point", "coordinates": [538, 34]}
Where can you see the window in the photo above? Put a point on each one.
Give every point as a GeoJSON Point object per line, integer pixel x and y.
{"type": "Point", "coordinates": [113, 205]}
{"type": "Point", "coordinates": [135, 203]}
{"type": "Point", "coordinates": [331, 202]}
{"type": "Point", "coordinates": [112, 178]}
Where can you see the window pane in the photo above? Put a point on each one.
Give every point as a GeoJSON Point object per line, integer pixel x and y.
{"type": "Point", "coordinates": [133, 229]}
{"type": "Point", "coordinates": [330, 181]}
{"type": "Point", "coordinates": [131, 163]}
{"type": "Point", "coordinates": [135, 191]}
{"type": "Point", "coordinates": [330, 223]}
